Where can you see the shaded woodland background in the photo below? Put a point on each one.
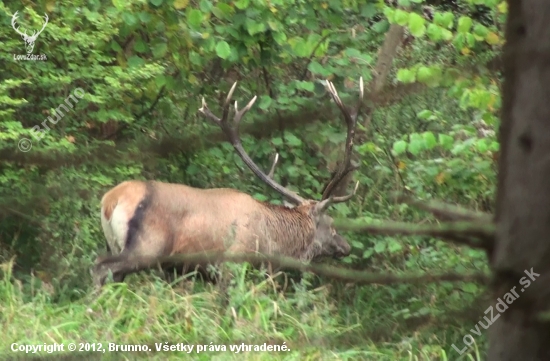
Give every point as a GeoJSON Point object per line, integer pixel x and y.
{"type": "Point", "coordinates": [433, 70]}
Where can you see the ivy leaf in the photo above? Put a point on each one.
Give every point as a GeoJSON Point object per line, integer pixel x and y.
{"type": "Point", "coordinates": [223, 49]}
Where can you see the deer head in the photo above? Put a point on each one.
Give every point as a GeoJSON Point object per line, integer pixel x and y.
{"type": "Point", "coordinates": [326, 240]}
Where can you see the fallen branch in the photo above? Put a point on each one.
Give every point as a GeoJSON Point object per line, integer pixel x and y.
{"type": "Point", "coordinates": [355, 276]}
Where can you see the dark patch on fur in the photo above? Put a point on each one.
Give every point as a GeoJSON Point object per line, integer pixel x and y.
{"type": "Point", "coordinates": [134, 226]}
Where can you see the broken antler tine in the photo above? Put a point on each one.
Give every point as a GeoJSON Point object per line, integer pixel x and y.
{"type": "Point", "coordinates": [361, 88]}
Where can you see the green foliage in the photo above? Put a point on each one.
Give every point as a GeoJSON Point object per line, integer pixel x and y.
{"type": "Point", "coordinates": [143, 67]}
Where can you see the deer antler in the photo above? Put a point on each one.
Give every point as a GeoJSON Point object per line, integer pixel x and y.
{"type": "Point", "coordinates": [345, 167]}
{"type": "Point", "coordinates": [232, 132]}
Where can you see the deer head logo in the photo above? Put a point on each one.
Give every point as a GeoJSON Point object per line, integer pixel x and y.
{"type": "Point", "coordinates": [29, 39]}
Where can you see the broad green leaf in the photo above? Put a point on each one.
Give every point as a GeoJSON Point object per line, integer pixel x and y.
{"type": "Point", "coordinates": [416, 25]}
{"type": "Point", "coordinates": [416, 144]}
{"type": "Point", "coordinates": [380, 246]}
{"type": "Point", "coordinates": [317, 68]}
{"type": "Point", "coordinates": [482, 146]}
{"type": "Point", "coordinates": [435, 33]}
{"type": "Point", "coordinates": [424, 74]}
{"type": "Point", "coordinates": [159, 50]}
{"type": "Point", "coordinates": [367, 253]}
{"type": "Point", "coordinates": [242, 4]}
{"type": "Point", "coordinates": [446, 141]}
{"type": "Point", "coordinates": [424, 114]}
{"type": "Point", "coordinates": [156, 2]}
{"type": "Point", "coordinates": [223, 49]}
{"type": "Point", "coordinates": [279, 37]}
{"type": "Point", "coordinates": [145, 17]}
{"type": "Point", "coordinates": [129, 18]}
{"type": "Point", "coordinates": [480, 30]}
{"type": "Point", "coordinates": [394, 246]}
{"type": "Point", "coordinates": [265, 102]}
{"type": "Point", "coordinates": [140, 46]}
{"type": "Point", "coordinates": [194, 18]}
{"type": "Point", "coordinates": [292, 140]}
{"type": "Point", "coordinates": [381, 27]}
{"type": "Point", "coordinates": [429, 140]}
{"type": "Point", "coordinates": [406, 76]}
{"type": "Point", "coordinates": [306, 85]}
{"type": "Point", "coordinates": [464, 24]}
{"type": "Point", "coordinates": [401, 17]}
{"type": "Point", "coordinates": [399, 147]}
{"type": "Point", "coordinates": [160, 80]}
{"type": "Point", "coordinates": [135, 61]}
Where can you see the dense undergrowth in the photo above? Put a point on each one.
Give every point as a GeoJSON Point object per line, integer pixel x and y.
{"type": "Point", "coordinates": [148, 64]}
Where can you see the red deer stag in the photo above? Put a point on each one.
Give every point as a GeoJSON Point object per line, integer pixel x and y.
{"type": "Point", "coordinates": [149, 220]}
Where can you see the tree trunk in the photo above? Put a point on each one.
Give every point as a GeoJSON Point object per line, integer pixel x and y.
{"type": "Point", "coordinates": [523, 199]}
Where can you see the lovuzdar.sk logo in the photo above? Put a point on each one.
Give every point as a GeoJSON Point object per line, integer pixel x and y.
{"type": "Point", "coordinates": [29, 40]}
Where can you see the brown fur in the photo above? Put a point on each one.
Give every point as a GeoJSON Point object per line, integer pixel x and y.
{"type": "Point", "coordinates": [179, 219]}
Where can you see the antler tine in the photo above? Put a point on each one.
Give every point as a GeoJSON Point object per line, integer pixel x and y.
{"type": "Point", "coordinates": [272, 170]}
{"type": "Point", "coordinates": [240, 113]}
{"type": "Point", "coordinates": [351, 121]}
{"type": "Point", "coordinates": [232, 132]}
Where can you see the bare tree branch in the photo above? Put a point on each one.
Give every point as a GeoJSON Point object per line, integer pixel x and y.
{"type": "Point", "coordinates": [355, 276]}
{"type": "Point", "coordinates": [447, 211]}
{"type": "Point", "coordinates": [473, 234]}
